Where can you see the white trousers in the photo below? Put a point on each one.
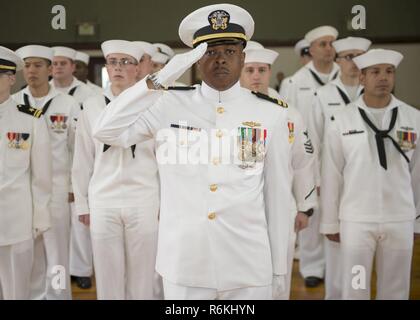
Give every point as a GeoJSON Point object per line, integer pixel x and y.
{"type": "Point", "coordinates": [124, 243]}
{"type": "Point", "coordinates": [333, 276]}
{"type": "Point", "coordinates": [15, 270]}
{"type": "Point", "coordinates": [81, 257]}
{"type": "Point", "coordinates": [311, 249]}
{"type": "Point", "coordinates": [174, 291]}
{"type": "Point", "coordinates": [391, 244]}
{"type": "Point", "coordinates": [50, 277]}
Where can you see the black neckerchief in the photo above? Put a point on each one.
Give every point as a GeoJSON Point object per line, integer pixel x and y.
{"type": "Point", "coordinates": [380, 135]}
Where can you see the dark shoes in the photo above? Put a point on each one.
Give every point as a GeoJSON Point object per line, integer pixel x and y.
{"type": "Point", "coordinates": [312, 282]}
{"type": "Point", "coordinates": [82, 282]}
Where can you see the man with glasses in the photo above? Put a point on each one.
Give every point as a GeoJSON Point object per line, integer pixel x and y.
{"type": "Point", "coordinates": [117, 191]}
{"type": "Point", "coordinates": [25, 175]}
{"type": "Point", "coordinates": [328, 99]}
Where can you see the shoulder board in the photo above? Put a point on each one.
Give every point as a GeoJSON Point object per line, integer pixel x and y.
{"type": "Point", "coordinates": [260, 95]}
{"type": "Point", "coordinates": [37, 113]}
{"type": "Point", "coordinates": [181, 88]}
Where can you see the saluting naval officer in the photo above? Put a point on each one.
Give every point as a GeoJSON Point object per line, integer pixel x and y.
{"type": "Point", "coordinates": [117, 191]}
{"type": "Point", "coordinates": [371, 182]}
{"type": "Point", "coordinates": [334, 96]}
{"type": "Point", "coordinates": [25, 175]}
{"type": "Point", "coordinates": [256, 76]}
{"type": "Point", "coordinates": [299, 93]}
{"type": "Point", "coordinates": [223, 165]}
{"type": "Point", "coordinates": [59, 111]}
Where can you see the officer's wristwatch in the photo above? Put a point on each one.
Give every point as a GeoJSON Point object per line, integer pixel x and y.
{"type": "Point", "coordinates": [153, 79]}
{"type": "Point", "coordinates": [309, 212]}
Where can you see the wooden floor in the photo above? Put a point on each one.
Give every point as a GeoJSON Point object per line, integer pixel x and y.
{"type": "Point", "coordinates": [299, 291]}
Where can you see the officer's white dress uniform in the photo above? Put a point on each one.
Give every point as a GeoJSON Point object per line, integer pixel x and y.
{"type": "Point", "coordinates": [81, 261]}
{"type": "Point", "coordinates": [25, 175]}
{"type": "Point", "coordinates": [373, 208]}
{"type": "Point", "coordinates": [299, 92]}
{"type": "Point", "coordinates": [224, 222]}
{"type": "Point", "coordinates": [59, 111]}
{"type": "Point", "coordinates": [200, 240]}
{"type": "Point", "coordinates": [329, 99]}
{"type": "Point", "coordinates": [25, 186]}
{"type": "Point", "coordinates": [119, 187]}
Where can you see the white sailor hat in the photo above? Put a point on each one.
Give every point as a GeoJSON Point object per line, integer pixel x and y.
{"type": "Point", "coordinates": [216, 24]}
{"type": "Point", "coordinates": [165, 49]}
{"type": "Point", "coordinates": [146, 47]}
{"type": "Point", "coordinates": [83, 57]}
{"type": "Point", "coordinates": [302, 47]}
{"type": "Point", "coordinates": [255, 52]}
{"type": "Point", "coordinates": [122, 46]}
{"type": "Point", "coordinates": [351, 43]}
{"type": "Point", "coordinates": [160, 58]}
{"type": "Point", "coordinates": [35, 51]}
{"type": "Point", "coordinates": [319, 32]}
{"type": "Point", "coordinates": [9, 60]}
{"type": "Point", "coordinates": [164, 53]}
{"type": "Point", "coordinates": [64, 52]}
{"type": "Point", "coordinates": [378, 56]}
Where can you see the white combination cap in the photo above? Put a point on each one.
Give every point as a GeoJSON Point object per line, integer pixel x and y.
{"type": "Point", "coordinates": [9, 60]}
{"type": "Point", "coordinates": [121, 46]}
{"type": "Point", "coordinates": [378, 56]}
{"type": "Point", "coordinates": [35, 51]}
{"type": "Point", "coordinates": [320, 32]}
{"type": "Point", "coordinates": [216, 24]}
{"type": "Point", "coordinates": [255, 52]}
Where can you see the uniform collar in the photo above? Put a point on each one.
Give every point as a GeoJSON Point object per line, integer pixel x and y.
{"type": "Point", "coordinates": [51, 93]}
{"type": "Point", "coordinates": [341, 85]}
{"type": "Point", "coordinates": [108, 92]}
{"type": "Point", "coordinates": [220, 96]}
{"type": "Point", "coordinates": [73, 84]}
{"type": "Point", "coordinates": [334, 71]}
{"type": "Point", "coordinates": [394, 103]}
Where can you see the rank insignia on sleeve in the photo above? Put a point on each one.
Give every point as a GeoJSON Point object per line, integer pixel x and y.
{"type": "Point", "coordinates": [18, 140]}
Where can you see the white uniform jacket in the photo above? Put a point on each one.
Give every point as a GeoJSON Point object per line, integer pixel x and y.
{"type": "Point", "coordinates": [327, 100]}
{"type": "Point", "coordinates": [25, 173]}
{"type": "Point", "coordinates": [300, 89]}
{"type": "Point", "coordinates": [224, 224]}
{"type": "Point", "coordinates": [59, 114]}
{"type": "Point", "coordinates": [112, 177]}
{"type": "Point", "coordinates": [355, 186]}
